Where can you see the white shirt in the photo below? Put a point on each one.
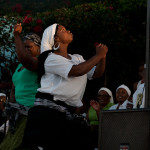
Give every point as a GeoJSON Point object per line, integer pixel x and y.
{"type": "Point", "coordinates": [140, 90]}
{"type": "Point", "coordinates": [57, 83]}
{"type": "Point", "coordinates": [123, 106]}
{"type": "Point", "coordinates": [139, 83]}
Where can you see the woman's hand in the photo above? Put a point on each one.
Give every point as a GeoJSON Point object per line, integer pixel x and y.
{"type": "Point", "coordinates": [18, 28]}
{"type": "Point", "coordinates": [101, 50]}
{"type": "Point", "coordinates": [97, 60]}
{"type": "Point", "coordinates": [129, 106]}
{"type": "Point", "coordinates": [95, 105]}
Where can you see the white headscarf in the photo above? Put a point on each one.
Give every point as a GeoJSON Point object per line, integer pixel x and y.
{"type": "Point", "coordinates": [48, 38]}
{"type": "Point", "coordinates": [109, 93]}
{"type": "Point", "coordinates": [124, 87]}
{"type": "Point", "coordinates": [2, 94]}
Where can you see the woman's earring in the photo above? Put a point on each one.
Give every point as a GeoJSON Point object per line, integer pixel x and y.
{"type": "Point", "coordinates": [56, 48]}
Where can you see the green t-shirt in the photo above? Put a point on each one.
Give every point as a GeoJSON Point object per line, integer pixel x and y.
{"type": "Point", "coordinates": [26, 84]}
{"type": "Point", "coordinates": [93, 115]}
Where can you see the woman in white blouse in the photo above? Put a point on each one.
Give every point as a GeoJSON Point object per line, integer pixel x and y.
{"type": "Point", "coordinates": [63, 78]}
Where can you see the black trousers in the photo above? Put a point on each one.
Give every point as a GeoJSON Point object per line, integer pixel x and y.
{"type": "Point", "coordinates": [51, 130]}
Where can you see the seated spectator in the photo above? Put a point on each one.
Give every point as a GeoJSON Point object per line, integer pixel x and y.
{"type": "Point", "coordinates": [105, 101]}
{"type": "Point", "coordinates": [122, 95]}
{"type": "Point", "coordinates": [139, 94]}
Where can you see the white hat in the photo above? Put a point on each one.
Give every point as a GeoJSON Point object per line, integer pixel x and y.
{"type": "Point", "coordinates": [48, 38]}
{"type": "Point", "coordinates": [2, 94]}
{"type": "Point", "coordinates": [109, 93]}
{"type": "Point", "coordinates": [124, 87]}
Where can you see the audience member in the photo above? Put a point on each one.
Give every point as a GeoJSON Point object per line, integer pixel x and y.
{"type": "Point", "coordinates": [122, 95]}
{"type": "Point", "coordinates": [104, 102]}
{"type": "Point", "coordinates": [139, 94]}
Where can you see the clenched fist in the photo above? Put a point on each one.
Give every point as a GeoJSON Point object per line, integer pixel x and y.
{"type": "Point", "coordinates": [101, 50]}
{"type": "Point", "coordinates": [17, 28]}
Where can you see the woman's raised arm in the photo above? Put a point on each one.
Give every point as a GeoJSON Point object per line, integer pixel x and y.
{"type": "Point", "coordinates": [24, 57]}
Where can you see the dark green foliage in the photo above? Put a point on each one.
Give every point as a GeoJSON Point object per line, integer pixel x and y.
{"type": "Point", "coordinates": [120, 24]}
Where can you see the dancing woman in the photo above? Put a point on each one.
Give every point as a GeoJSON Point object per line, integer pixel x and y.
{"type": "Point", "coordinates": [63, 79]}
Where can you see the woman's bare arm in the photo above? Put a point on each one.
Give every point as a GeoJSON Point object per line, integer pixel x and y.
{"type": "Point", "coordinates": [85, 67]}
{"type": "Point", "coordinates": [24, 57]}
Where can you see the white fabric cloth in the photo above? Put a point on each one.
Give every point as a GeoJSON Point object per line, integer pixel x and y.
{"type": "Point", "coordinates": [124, 87]}
{"type": "Point", "coordinates": [123, 106]}
{"type": "Point", "coordinates": [140, 90]}
{"type": "Point", "coordinates": [139, 83]}
{"type": "Point", "coordinates": [109, 93]}
{"type": "Point", "coordinates": [56, 81]}
{"type": "Point", "coordinates": [40, 148]}
{"type": "Point", "coordinates": [47, 42]}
